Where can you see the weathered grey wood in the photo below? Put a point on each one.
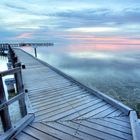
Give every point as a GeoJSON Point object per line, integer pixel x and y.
{"type": "Point", "coordinates": [79, 127]}
{"type": "Point", "coordinates": [51, 106]}
{"type": "Point", "coordinates": [118, 122]}
{"type": "Point", "coordinates": [72, 130]}
{"type": "Point", "coordinates": [104, 129]}
{"type": "Point", "coordinates": [57, 99]}
{"type": "Point", "coordinates": [38, 134]}
{"type": "Point", "coordinates": [69, 112]}
{"type": "Point", "coordinates": [9, 72]}
{"type": "Point", "coordinates": [66, 135]}
{"type": "Point", "coordinates": [4, 113]}
{"type": "Point", "coordinates": [65, 109]}
{"type": "Point", "coordinates": [83, 100]}
{"type": "Point", "coordinates": [19, 86]}
{"type": "Point", "coordinates": [24, 136]}
{"type": "Point", "coordinates": [111, 125]}
{"type": "Point", "coordinates": [11, 133]}
{"type": "Point", "coordinates": [13, 99]}
{"type": "Point", "coordinates": [135, 125]}
{"type": "Point", "coordinates": [95, 111]}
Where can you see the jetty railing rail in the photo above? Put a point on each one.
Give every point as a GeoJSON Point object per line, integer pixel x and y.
{"type": "Point", "coordinates": [3, 48]}
{"type": "Point", "coordinates": [26, 117]}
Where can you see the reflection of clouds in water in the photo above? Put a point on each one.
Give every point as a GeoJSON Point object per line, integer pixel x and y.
{"type": "Point", "coordinates": [101, 56]}
{"type": "Point", "coordinates": [116, 73]}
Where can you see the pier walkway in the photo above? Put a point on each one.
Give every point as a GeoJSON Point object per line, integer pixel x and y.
{"type": "Point", "coordinates": [66, 109]}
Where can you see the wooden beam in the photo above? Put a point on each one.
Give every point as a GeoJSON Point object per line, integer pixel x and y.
{"type": "Point", "coordinates": [4, 114]}
{"type": "Point", "coordinates": [9, 72]}
{"type": "Point", "coordinates": [19, 86]}
{"type": "Point", "coordinates": [135, 125]}
{"type": "Point", "coordinates": [17, 97]}
{"type": "Point", "coordinates": [18, 127]}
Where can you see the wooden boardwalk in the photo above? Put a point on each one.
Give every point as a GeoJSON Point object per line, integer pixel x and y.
{"type": "Point", "coordinates": [65, 109]}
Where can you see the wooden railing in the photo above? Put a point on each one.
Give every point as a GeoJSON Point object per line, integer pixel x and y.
{"type": "Point", "coordinates": [3, 48]}
{"type": "Point", "coordinates": [8, 129]}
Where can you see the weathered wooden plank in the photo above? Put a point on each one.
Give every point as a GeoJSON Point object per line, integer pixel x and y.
{"type": "Point", "coordinates": [55, 98]}
{"type": "Point", "coordinates": [25, 136]}
{"type": "Point", "coordinates": [75, 131]}
{"type": "Point", "coordinates": [35, 94]}
{"type": "Point", "coordinates": [111, 125]}
{"type": "Point", "coordinates": [84, 129]}
{"type": "Point", "coordinates": [58, 110]}
{"type": "Point", "coordinates": [18, 127]}
{"type": "Point", "coordinates": [54, 94]}
{"type": "Point", "coordinates": [9, 72]}
{"type": "Point", "coordinates": [57, 101]}
{"type": "Point", "coordinates": [38, 134]}
{"type": "Point", "coordinates": [104, 113]}
{"type": "Point", "coordinates": [104, 129]}
{"type": "Point", "coordinates": [94, 111]}
{"type": "Point", "coordinates": [81, 101]}
{"type": "Point", "coordinates": [64, 114]}
{"type": "Point", "coordinates": [135, 125]}
{"type": "Point", "coordinates": [115, 113]}
{"type": "Point", "coordinates": [119, 122]}
{"type": "Point", "coordinates": [64, 134]}
{"type": "Point", "coordinates": [68, 101]}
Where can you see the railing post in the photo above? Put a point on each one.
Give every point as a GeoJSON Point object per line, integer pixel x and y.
{"type": "Point", "coordinates": [4, 114]}
{"type": "Point", "coordinates": [19, 85]}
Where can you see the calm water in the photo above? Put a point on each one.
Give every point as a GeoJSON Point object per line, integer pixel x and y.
{"type": "Point", "coordinates": [114, 70]}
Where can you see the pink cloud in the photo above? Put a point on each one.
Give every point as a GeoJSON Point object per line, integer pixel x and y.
{"type": "Point", "coordinates": [25, 35]}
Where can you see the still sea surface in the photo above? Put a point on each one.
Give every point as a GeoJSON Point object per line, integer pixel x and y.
{"type": "Point", "coordinates": [111, 69]}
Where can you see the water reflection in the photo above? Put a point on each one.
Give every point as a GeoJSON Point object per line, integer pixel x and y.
{"type": "Point", "coordinates": [114, 70]}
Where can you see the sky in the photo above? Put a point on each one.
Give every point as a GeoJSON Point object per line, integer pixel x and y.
{"type": "Point", "coordinates": [60, 21]}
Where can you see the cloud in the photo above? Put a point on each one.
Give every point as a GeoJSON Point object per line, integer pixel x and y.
{"type": "Point", "coordinates": [101, 17]}
{"type": "Point", "coordinates": [93, 29]}
{"type": "Point", "coordinates": [98, 17]}
{"type": "Point", "coordinates": [25, 35]}
{"type": "Point", "coordinates": [15, 7]}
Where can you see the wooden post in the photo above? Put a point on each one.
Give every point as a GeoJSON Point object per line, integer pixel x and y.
{"type": "Point", "coordinates": [35, 51]}
{"type": "Point", "coordinates": [19, 85]}
{"type": "Point", "coordinates": [4, 114]}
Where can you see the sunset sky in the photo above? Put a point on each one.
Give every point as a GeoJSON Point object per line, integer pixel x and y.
{"type": "Point", "coordinates": [103, 21]}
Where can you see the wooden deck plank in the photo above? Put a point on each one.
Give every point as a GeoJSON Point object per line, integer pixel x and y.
{"type": "Point", "coordinates": [60, 103]}
{"type": "Point", "coordinates": [80, 127]}
{"type": "Point", "coordinates": [69, 112]}
{"type": "Point", "coordinates": [38, 134]}
{"type": "Point", "coordinates": [72, 130]}
{"type": "Point", "coordinates": [80, 101]}
{"type": "Point", "coordinates": [64, 134]}
{"type": "Point", "coordinates": [68, 109]}
{"type": "Point", "coordinates": [24, 136]}
{"type": "Point", "coordinates": [104, 129]}
{"type": "Point", "coordinates": [111, 125]}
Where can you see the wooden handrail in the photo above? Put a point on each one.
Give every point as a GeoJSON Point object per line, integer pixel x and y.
{"type": "Point", "coordinates": [4, 104]}
{"type": "Point", "coordinates": [9, 72]}
{"type": "Point", "coordinates": [17, 97]}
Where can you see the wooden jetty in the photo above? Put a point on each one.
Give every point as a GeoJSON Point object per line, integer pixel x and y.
{"type": "Point", "coordinates": [62, 108]}
{"type": "Point", "coordinates": [3, 45]}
